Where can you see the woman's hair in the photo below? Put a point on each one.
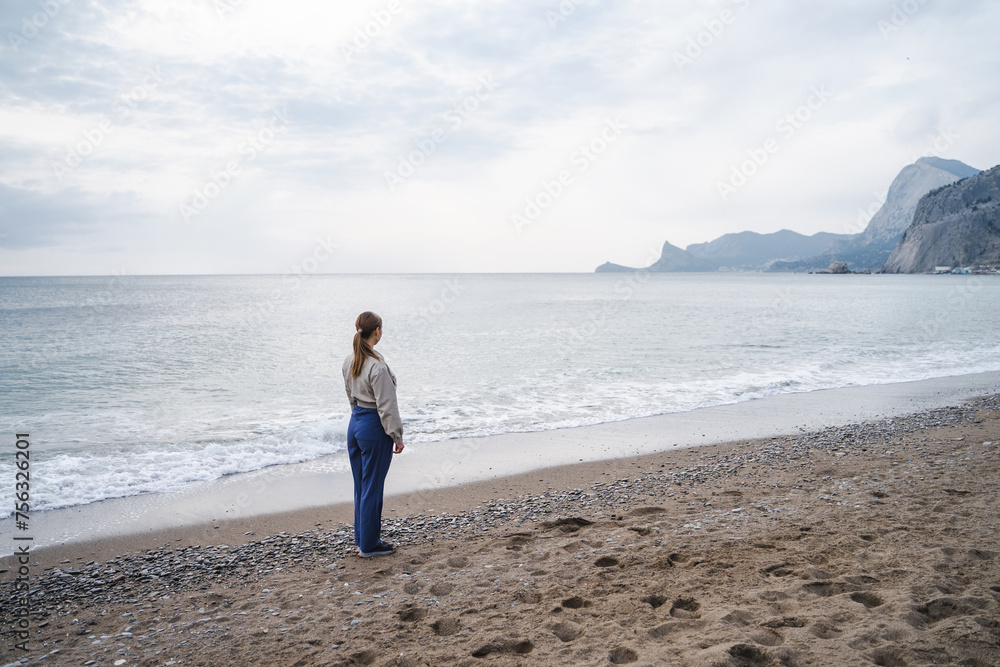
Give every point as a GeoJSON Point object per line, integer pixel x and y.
{"type": "Point", "coordinates": [366, 323]}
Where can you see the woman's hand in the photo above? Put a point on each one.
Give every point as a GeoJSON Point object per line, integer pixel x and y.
{"type": "Point", "coordinates": [397, 448]}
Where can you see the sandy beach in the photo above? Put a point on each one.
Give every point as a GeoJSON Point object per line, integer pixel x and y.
{"type": "Point", "coordinates": [873, 543]}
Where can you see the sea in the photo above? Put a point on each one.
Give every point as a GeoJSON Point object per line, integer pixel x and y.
{"type": "Point", "coordinates": [142, 384]}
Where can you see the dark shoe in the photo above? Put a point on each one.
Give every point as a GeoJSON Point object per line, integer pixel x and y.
{"type": "Point", "coordinates": [381, 549]}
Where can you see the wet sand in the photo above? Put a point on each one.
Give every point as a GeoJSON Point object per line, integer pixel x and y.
{"type": "Point", "coordinates": [872, 543]}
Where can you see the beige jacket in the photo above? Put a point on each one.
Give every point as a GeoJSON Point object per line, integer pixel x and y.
{"type": "Point", "coordinates": [375, 388]}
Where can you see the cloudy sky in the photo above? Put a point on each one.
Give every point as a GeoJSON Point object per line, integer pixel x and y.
{"type": "Point", "coordinates": [253, 136]}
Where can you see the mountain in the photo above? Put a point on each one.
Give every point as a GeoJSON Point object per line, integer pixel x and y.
{"type": "Point", "coordinates": [750, 250]}
{"type": "Point", "coordinates": [912, 183]}
{"type": "Point", "coordinates": [956, 225]}
{"type": "Point", "coordinates": [611, 267]}
{"type": "Point", "coordinates": [871, 248]}
{"type": "Point", "coordinates": [743, 251]}
{"type": "Point", "coordinates": [672, 259]}
{"type": "Point", "coordinates": [790, 251]}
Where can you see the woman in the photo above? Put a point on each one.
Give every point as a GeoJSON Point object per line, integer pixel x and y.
{"type": "Point", "coordinates": [374, 434]}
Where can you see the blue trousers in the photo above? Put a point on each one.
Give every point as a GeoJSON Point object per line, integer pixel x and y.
{"type": "Point", "coordinates": [370, 451]}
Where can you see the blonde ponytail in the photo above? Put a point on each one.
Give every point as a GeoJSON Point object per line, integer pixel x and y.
{"type": "Point", "coordinates": [366, 323]}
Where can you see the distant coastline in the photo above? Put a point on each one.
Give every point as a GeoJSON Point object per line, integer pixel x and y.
{"type": "Point", "coordinates": [939, 216]}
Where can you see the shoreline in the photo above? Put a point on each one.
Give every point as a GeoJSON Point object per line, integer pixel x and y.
{"type": "Point", "coordinates": [877, 541]}
{"type": "Point", "coordinates": [283, 490]}
{"type": "Point", "coordinates": [433, 468]}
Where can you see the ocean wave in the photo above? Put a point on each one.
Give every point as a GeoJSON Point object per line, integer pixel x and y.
{"type": "Point", "coordinates": [81, 477]}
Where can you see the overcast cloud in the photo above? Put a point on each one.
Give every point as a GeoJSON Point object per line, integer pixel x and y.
{"type": "Point", "coordinates": [228, 136]}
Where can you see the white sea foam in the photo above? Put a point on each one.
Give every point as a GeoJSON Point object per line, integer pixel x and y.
{"type": "Point", "coordinates": [66, 479]}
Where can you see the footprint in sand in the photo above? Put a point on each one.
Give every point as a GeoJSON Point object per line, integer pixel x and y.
{"type": "Point", "coordinates": [654, 601]}
{"type": "Point", "coordinates": [411, 614]}
{"type": "Point", "coordinates": [445, 627]}
{"type": "Point", "coordinates": [817, 573]}
{"type": "Point", "coordinates": [576, 602]}
{"type": "Point", "coordinates": [518, 540]}
{"type": "Point", "coordinates": [942, 608]}
{"type": "Point", "coordinates": [869, 600]}
{"type": "Point", "coordinates": [785, 622]}
{"type": "Point", "coordinates": [738, 617]}
{"type": "Point", "coordinates": [773, 596]}
{"type": "Point", "coordinates": [646, 511]}
{"type": "Point", "coordinates": [824, 589]}
{"type": "Point", "coordinates": [747, 654]}
{"type": "Point", "coordinates": [825, 630]}
{"type": "Point", "coordinates": [520, 647]}
{"type": "Point", "coordinates": [567, 631]}
{"type": "Point", "coordinates": [441, 589]}
{"type": "Point", "coordinates": [622, 655]}
{"type": "Point", "coordinates": [685, 608]}
{"type": "Point", "coordinates": [766, 637]}
{"type": "Point", "coordinates": [778, 570]}
{"type": "Point", "coordinates": [670, 629]}
{"type": "Point", "coordinates": [569, 525]}
{"type": "Point", "coordinates": [888, 656]}
{"type": "Point", "coordinates": [363, 658]}
{"type": "Point", "coordinates": [407, 661]}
